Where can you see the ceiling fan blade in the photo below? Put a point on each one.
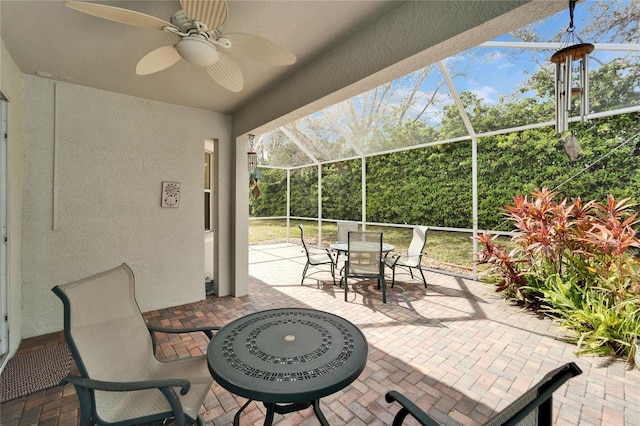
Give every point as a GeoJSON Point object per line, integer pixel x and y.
{"type": "Point", "coordinates": [212, 13]}
{"type": "Point", "coordinates": [157, 60]}
{"type": "Point", "coordinates": [259, 49]}
{"type": "Point", "coordinates": [117, 14]}
{"type": "Point", "coordinates": [226, 73]}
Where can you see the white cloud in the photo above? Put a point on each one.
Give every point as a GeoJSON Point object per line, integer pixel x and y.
{"type": "Point", "coordinates": [487, 93]}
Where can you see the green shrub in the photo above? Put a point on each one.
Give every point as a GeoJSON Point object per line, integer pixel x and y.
{"type": "Point", "coordinates": [576, 262]}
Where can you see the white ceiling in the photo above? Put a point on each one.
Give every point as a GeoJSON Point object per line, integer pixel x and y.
{"type": "Point", "coordinates": [46, 36]}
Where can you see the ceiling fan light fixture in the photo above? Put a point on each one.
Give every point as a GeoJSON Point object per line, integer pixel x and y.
{"type": "Point", "coordinates": [197, 51]}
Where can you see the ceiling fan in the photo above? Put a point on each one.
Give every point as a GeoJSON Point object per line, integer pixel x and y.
{"type": "Point", "coordinates": [201, 43]}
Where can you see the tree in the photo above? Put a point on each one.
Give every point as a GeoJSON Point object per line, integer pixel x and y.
{"type": "Point", "coordinates": [432, 185]}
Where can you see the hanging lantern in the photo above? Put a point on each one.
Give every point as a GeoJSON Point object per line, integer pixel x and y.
{"type": "Point", "coordinates": [565, 87]}
{"type": "Point", "coordinates": [252, 157]}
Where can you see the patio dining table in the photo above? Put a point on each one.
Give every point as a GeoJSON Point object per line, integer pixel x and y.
{"type": "Point", "coordinates": [287, 358]}
{"type": "Point", "coordinates": [343, 247]}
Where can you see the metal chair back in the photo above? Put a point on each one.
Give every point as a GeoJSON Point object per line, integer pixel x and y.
{"type": "Point", "coordinates": [344, 227]}
{"type": "Point", "coordinates": [365, 259]}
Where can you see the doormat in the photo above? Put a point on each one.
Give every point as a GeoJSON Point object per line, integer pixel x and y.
{"type": "Point", "coordinates": [30, 372]}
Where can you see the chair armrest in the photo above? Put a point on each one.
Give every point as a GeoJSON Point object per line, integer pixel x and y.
{"type": "Point", "coordinates": [100, 385]}
{"type": "Point", "coordinates": [414, 255]}
{"type": "Point", "coordinates": [333, 258]}
{"type": "Point", "coordinates": [165, 386]}
{"type": "Point", "coordinates": [324, 250]}
{"type": "Point", "coordinates": [408, 407]}
{"type": "Point", "coordinates": [153, 329]}
{"type": "Point", "coordinates": [206, 330]}
{"type": "Point", "coordinates": [393, 260]}
{"type": "Point", "coordinates": [320, 250]}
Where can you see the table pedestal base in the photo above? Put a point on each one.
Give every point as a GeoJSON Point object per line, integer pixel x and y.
{"type": "Point", "coordinates": [284, 409]}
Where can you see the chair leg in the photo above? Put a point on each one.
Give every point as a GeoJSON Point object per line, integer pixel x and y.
{"type": "Point", "coordinates": [345, 290]}
{"type": "Point", "coordinates": [304, 273]}
{"type": "Point", "coordinates": [86, 409]}
{"type": "Point", "coordinates": [384, 290]}
{"type": "Point", "coordinates": [393, 276]}
{"type": "Point", "coordinates": [344, 278]}
{"type": "Point", "coordinates": [423, 279]}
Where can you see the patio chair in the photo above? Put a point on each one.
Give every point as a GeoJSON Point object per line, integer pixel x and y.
{"type": "Point", "coordinates": [316, 258]}
{"type": "Point", "coordinates": [365, 260]}
{"type": "Point", "coordinates": [532, 408]}
{"type": "Point", "coordinates": [413, 257]}
{"type": "Point", "coordinates": [344, 227]}
{"type": "Point", "coordinates": [121, 381]}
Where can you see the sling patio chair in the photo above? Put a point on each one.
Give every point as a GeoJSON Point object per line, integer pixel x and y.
{"type": "Point", "coordinates": [365, 260]}
{"type": "Point", "coordinates": [344, 227]}
{"type": "Point", "coordinates": [534, 407]}
{"type": "Point", "coordinates": [121, 381]}
{"type": "Point", "coordinates": [316, 258]}
{"type": "Point", "coordinates": [412, 259]}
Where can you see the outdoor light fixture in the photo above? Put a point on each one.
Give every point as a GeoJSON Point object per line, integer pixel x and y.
{"type": "Point", "coordinates": [565, 90]}
{"type": "Point", "coordinates": [198, 51]}
{"type": "Point", "coordinates": [252, 157]}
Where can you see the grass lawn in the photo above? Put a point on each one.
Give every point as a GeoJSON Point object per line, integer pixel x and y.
{"type": "Point", "coordinates": [451, 251]}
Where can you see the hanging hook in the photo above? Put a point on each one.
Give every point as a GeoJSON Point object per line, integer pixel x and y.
{"type": "Point", "coordinates": [572, 6]}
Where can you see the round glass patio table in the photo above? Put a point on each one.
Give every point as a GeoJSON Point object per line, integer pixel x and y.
{"type": "Point", "coordinates": [287, 358]}
{"type": "Point", "coordinates": [344, 247]}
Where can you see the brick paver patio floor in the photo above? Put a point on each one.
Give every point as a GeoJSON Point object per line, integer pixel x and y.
{"type": "Point", "coordinates": [455, 348]}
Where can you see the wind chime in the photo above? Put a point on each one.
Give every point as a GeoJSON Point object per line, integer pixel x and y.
{"type": "Point", "coordinates": [254, 172]}
{"type": "Point", "coordinates": [565, 89]}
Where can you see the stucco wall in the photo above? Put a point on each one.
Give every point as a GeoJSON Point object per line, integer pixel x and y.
{"type": "Point", "coordinates": [94, 165]}
{"type": "Point", "coordinates": [11, 86]}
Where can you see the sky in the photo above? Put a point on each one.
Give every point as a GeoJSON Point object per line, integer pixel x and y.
{"type": "Point", "coordinates": [491, 72]}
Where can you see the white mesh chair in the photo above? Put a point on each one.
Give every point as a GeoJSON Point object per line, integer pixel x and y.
{"type": "Point", "coordinates": [344, 227]}
{"type": "Point", "coordinates": [412, 259]}
{"type": "Point", "coordinates": [121, 381]}
{"type": "Point", "coordinates": [365, 260]}
{"type": "Point", "coordinates": [315, 259]}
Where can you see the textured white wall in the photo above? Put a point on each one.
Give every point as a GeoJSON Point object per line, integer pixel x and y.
{"type": "Point", "coordinates": [11, 86]}
{"type": "Point", "coordinates": [94, 165]}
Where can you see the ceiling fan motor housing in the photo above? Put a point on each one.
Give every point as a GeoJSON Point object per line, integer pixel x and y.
{"type": "Point", "coordinates": [182, 21]}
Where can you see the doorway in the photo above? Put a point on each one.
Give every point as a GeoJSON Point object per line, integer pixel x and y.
{"type": "Point", "coordinates": [210, 205]}
{"type": "Point", "coordinates": [4, 303]}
